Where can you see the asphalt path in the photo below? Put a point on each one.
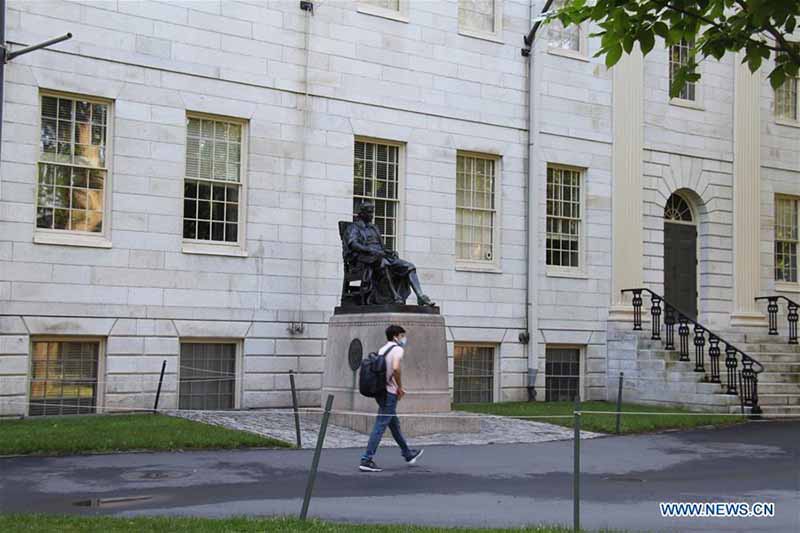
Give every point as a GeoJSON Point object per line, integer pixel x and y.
{"type": "Point", "coordinates": [623, 480]}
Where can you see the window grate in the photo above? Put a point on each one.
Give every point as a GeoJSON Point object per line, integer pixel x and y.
{"type": "Point", "coordinates": [473, 374]}
{"type": "Point", "coordinates": [563, 217]}
{"type": "Point", "coordinates": [63, 378]}
{"type": "Point", "coordinates": [72, 168]}
{"type": "Point", "coordinates": [207, 376]}
{"type": "Point", "coordinates": [787, 99]}
{"type": "Point", "coordinates": [375, 180]}
{"type": "Point", "coordinates": [562, 374]}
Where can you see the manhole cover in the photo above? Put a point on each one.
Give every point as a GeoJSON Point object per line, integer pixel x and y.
{"type": "Point", "coordinates": [624, 478]}
{"type": "Point", "coordinates": [111, 502]}
{"type": "Point", "coordinates": [154, 475]}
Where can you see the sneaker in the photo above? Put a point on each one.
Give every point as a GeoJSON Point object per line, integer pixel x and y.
{"type": "Point", "coordinates": [415, 454]}
{"type": "Point", "coordinates": [368, 465]}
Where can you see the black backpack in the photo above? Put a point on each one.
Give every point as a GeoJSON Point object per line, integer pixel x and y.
{"type": "Point", "coordinates": [372, 374]}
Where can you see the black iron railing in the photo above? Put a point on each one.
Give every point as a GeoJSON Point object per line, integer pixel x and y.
{"type": "Point", "coordinates": [791, 315]}
{"type": "Point", "coordinates": [741, 370]}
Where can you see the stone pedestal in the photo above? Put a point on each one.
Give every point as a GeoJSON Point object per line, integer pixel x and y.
{"type": "Point", "coordinates": [354, 335]}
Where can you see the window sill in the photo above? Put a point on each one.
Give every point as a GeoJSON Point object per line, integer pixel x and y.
{"type": "Point", "coordinates": [493, 37]}
{"type": "Point", "coordinates": [688, 104]}
{"type": "Point", "coordinates": [789, 123]}
{"type": "Point", "coordinates": [490, 268]}
{"type": "Point", "coordinates": [569, 54]}
{"type": "Point", "coordinates": [213, 249]}
{"type": "Point", "coordinates": [71, 239]}
{"type": "Point", "coordinates": [787, 287]}
{"type": "Point", "coordinates": [383, 13]}
{"type": "Point", "coordinates": [561, 273]}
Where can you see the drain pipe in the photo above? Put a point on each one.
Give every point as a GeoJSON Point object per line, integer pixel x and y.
{"type": "Point", "coordinates": [528, 337]}
{"type": "Point", "coordinates": [2, 75]}
{"type": "Point", "coordinates": [298, 326]}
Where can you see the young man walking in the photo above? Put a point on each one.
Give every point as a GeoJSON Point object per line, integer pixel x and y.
{"type": "Point", "coordinates": [393, 350]}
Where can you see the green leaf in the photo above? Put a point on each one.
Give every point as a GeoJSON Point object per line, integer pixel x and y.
{"type": "Point", "coordinates": [613, 55]}
{"type": "Point", "coordinates": [627, 43]}
{"type": "Point", "coordinates": [777, 77]}
{"type": "Point", "coordinates": [661, 29]}
{"type": "Point", "coordinates": [647, 41]}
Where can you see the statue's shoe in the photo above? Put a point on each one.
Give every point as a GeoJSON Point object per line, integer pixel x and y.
{"type": "Point", "coordinates": [424, 300]}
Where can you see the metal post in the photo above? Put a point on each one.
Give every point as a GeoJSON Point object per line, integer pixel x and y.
{"type": "Point", "coordinates": [295, 408]}
{"type": "Point", "coordinates": [619, 401]}
{"type": "Point", "coordinates": [160, 382]}
{"type": "Point", "coordinates": [312, 475]}
{"type": "Point", "coordinates": [576, 469]}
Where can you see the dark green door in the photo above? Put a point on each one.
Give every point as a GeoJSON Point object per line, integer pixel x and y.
{"type": "Point", "coordinates": [680, 266]}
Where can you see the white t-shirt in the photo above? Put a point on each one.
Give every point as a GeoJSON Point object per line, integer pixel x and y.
{"type": "Point", "coordinates": [395, 355]}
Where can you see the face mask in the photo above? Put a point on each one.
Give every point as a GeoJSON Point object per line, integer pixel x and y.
{"type": "Point", "coordinates": [402, 342]}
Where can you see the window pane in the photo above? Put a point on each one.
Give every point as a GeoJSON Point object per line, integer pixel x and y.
{"type": "Point", "coordinates": [568, 38]}
{"type": "Point", "coordinates": [562, 374]}
{"type": "Point", "coordinates": [678, 57]}
{"type": "Point", "coordinates": [73, 132]}
{"type": "Point", "coordinates": [563, 217]}
{"type": "Point", "coordinates": [375, 180]}
{"type": "Point", "coordinates": [786, 237]}
{"type": "Point", "coordinates": [476, 15]}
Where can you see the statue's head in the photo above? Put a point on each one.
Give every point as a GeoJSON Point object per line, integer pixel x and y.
{"type": "Point", "coordinates": [366, 211]}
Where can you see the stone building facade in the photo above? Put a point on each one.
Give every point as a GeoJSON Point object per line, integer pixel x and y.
{"type": "Point", "coordinates": [172, 178]}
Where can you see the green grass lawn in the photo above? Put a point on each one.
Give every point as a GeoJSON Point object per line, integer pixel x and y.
{"type": "Point", "coordinates": [110, 433]}
{"type": "Point", "coordinates": [604, 423]}
{"type": "Point", "coordinates": [73, 524]}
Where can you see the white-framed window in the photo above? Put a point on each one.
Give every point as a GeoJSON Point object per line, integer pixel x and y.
{"type": "Point", "coordinates": [391, 9]}
{"type": "Point", "coordinates": [214, 186]}
{"type": "Point", "coordinates": [477, 198]}
{"type": "Point", "coordinates": [64, 376]}
{"type": "Point", "coordinates": [474, 369]}
{"type": "Point", "coordinates": [481, 18]}
{"type": "Point", "coordinates": [564, 247]}
{"type": "Point", "coordinates": [73, 184]}
{"type": "Point", "coordinates": [570, 40]}
{"type": "Point", "coordinates": [786, 239]}
{"type": "Point", "coordinates": [376, 179]}
{"type": "Point", "coordinates": [787, 100]}
{"type": "Point", "coordinates": [679, 56]}
{"type": "Point", "coordinates": [208, 374]}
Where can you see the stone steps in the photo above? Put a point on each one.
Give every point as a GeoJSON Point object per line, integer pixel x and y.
{"type": "Point", "coordinates": [665, 379]}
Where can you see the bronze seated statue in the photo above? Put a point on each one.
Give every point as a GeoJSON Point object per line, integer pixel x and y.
{"type": "Point", "coordinates": [381, 276]}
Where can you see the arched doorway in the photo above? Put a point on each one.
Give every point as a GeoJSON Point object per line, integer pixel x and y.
{"type": "Point", "coordinates": [680, 255]}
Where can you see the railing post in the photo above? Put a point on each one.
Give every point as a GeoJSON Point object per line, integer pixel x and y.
{"type": "Point", "coordinates": [312, 475]}
{"type": "Point", "coordinates": [296, 410]}
{"type": "Point", "coordinates": [713, 356]}
{"type": "Point", "coordinates": [669, 323]}
{"type": "Point", "coordinates": [619, 401]}
{"type": "Point", "coordinates": [637, 309]}
{"type": "Point", "coordinates": [699, 348]}
{"type": "Point", "coordinates": [683, 334]}
{"type": "Point", "coordinates": [655, 315]}
{"type": "Point", "coordinates": [731, 363]}
{"type": "Point", "coordinates": [772, 313]}
{"type": "Point", "coordinates": [160, 382]}
{"type": "Point", "coordinates": [792, 317]}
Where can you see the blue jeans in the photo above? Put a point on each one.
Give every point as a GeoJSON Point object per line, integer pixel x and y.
{"type": "Point", "coordinates": [387, 416]}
